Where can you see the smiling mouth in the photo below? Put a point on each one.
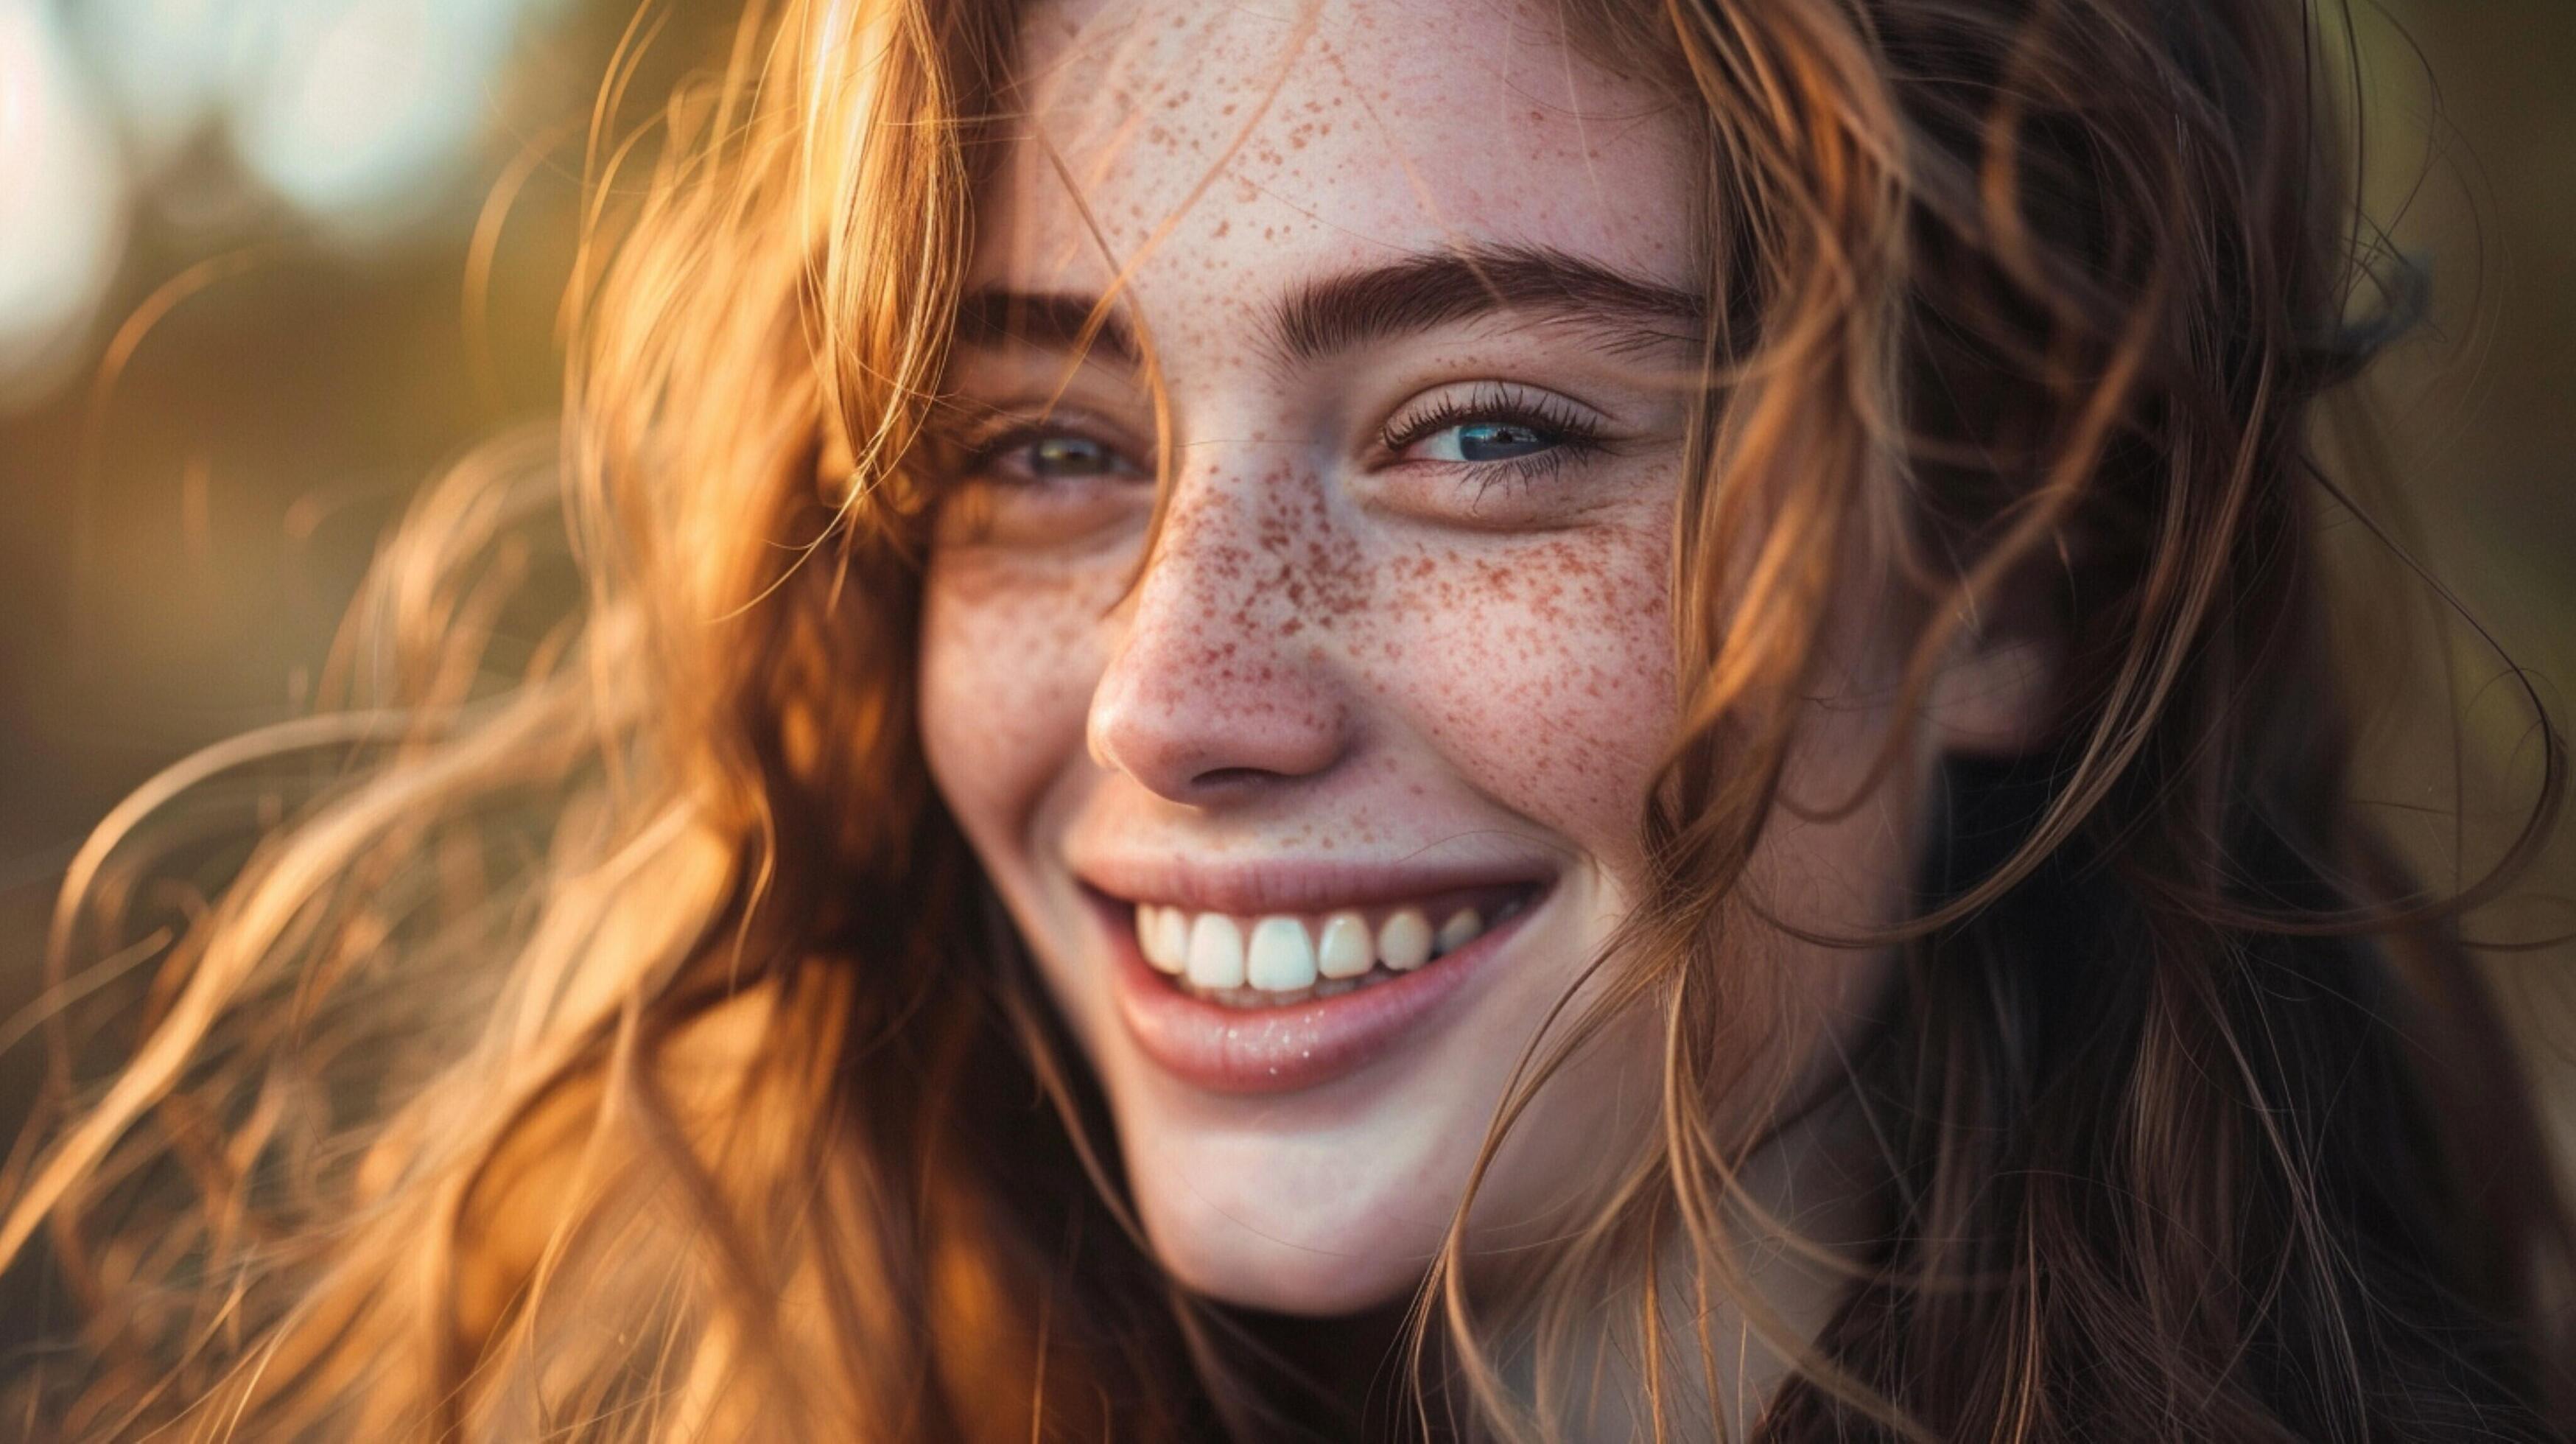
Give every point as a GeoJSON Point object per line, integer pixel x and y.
{"type": "Point", "coordinates": [1281, 959]}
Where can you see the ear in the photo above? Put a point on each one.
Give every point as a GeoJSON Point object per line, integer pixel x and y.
{"type": "Point", "coordinates": [1996, 694]}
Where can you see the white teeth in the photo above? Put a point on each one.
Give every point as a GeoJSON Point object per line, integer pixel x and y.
{"type": "Point", "coordinates": [1347, 949]}
{"type": "Point", "coordinates": [1163, 936]}
{"type": "Point", "coordinates": [1460, 930]}
{"type": "Point", "coordinates": [1173, 934]}
{"type": "Point", "coordinates": [1282, 960]}
{"type": "Point", "coordinates": [1216, 952]}
{"type": "Point", "coordinates": [1404, 943]}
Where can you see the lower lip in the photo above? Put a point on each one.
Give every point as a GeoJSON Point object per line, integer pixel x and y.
{"type": "Point", "coordinates": [1281, 1050]}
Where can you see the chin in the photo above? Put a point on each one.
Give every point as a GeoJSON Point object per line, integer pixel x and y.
{"type": "Point", "coordinates": [1247, 1262]}
{"type": "Point", "coordinates": [1290, 1219]}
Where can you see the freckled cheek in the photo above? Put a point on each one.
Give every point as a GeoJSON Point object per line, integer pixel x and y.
{"type": "Point", "coordinates": [1548, 684]}
{"type": "Point", "coordinates": [1007, 675]}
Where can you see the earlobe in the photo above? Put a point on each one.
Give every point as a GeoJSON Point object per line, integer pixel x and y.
{"type": "Point", "coordinates": [1996, 696]}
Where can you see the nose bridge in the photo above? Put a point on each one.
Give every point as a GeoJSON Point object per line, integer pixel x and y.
{"type": "Point", "coordinates": [1216, 682]}
{"type": "Point", "coordinates": [1223, 543]}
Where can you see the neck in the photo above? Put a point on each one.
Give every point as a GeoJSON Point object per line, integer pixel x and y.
{"type": "Point", "coordinates": [1730, 1323]}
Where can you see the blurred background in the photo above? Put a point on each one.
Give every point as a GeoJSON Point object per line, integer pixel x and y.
{"type": "Point", "coordinates": [266, 264]}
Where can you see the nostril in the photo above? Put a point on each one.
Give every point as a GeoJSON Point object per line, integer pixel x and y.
{"type": "Point", "coordinates": [1225, 778]}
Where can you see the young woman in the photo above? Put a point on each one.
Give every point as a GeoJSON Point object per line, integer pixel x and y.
{"type": "Point", "coordinates": [1576, 720]}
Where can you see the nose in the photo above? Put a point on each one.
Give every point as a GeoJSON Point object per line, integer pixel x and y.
{"type": "Point", "coordinates": [1218, 689]}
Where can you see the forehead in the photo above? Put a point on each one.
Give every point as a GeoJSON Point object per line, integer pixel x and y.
{"type": "Point", "coordinates": [1221, 152]}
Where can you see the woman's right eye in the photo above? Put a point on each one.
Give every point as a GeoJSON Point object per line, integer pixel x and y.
{"type": "Point", "coordinates": [1053, 456]}
{"type": "Point", "coordinates": [1044, 484]}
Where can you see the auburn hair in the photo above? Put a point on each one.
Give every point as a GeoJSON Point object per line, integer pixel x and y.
{"type": "Point", "coordinates": [605, 1033]}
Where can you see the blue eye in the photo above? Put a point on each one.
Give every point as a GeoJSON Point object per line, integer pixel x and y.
{"type": "Point", "coordinates": [1492, 424]}
{"type": "Point", "coordinates": [1499, 440]}
{"type": "Point", "coordinates": [1487, 440]}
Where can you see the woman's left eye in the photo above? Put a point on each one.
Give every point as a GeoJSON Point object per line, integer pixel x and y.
{"type": "Point", "coordinates": [1483, 441]}
{"type": "Point", "coordinates": [1490, 424]}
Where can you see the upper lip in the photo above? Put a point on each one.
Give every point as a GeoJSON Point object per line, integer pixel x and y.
{"type": "Point", "coordinates": [1247, 888]}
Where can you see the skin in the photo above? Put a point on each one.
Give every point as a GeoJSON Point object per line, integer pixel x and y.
{"type": "Point", "coordinates": [1343, 651]}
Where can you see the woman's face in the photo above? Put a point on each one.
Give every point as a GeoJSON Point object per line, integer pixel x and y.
{"type": "Point", "coordinates": [1310, 826]}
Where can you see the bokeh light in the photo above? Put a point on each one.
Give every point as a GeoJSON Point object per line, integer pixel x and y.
{"type": "Point", "coordinates": [61, 184]}
{"type": "Point", "coordinates": [356, 117]}
{"type": "Point", "coordinates": [358, 111]}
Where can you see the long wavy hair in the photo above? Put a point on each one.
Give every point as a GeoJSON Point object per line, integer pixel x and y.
{"type": "Point", "coordinates": [608, 1036]}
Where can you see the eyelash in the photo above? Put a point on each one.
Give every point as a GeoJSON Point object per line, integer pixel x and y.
{"type": "Point", "coordinates": [1579, 436]}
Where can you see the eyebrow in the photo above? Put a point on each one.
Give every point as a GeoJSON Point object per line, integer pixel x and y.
{"type": "Point", "coordinates": [1339, 313]}
{"type": "Point", "coordinates": [1048, 320]}
{"type": "Point", "coordinates": [1430, 289]}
